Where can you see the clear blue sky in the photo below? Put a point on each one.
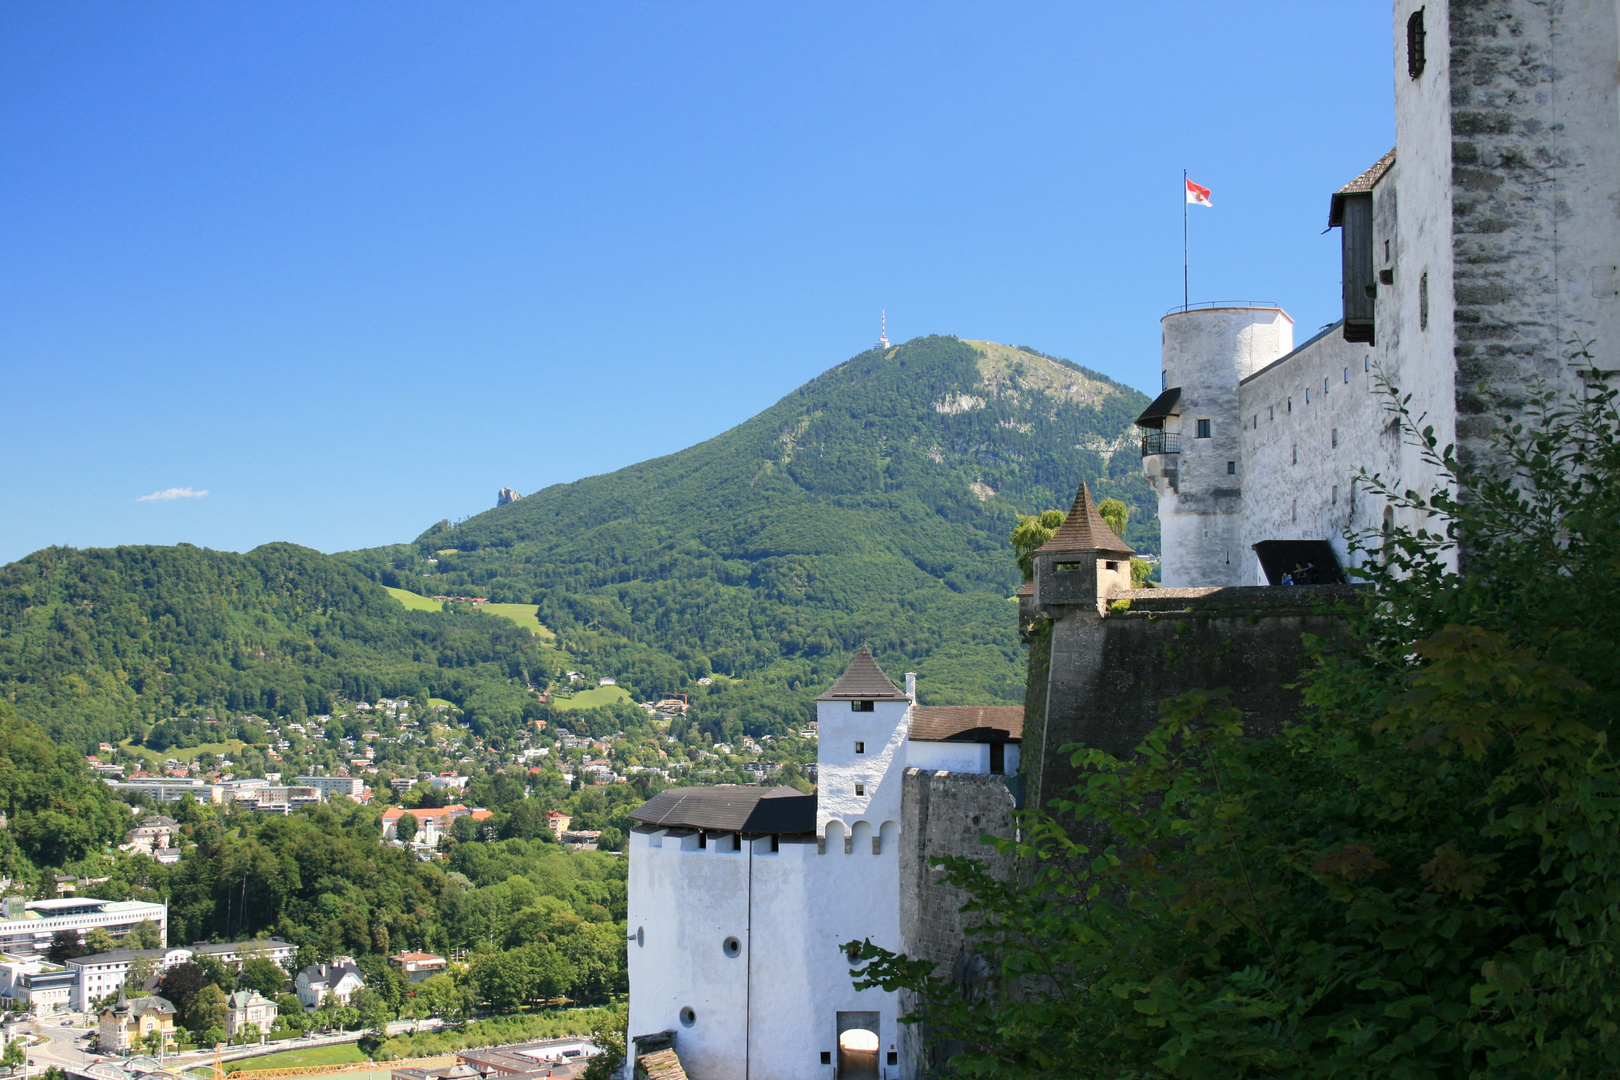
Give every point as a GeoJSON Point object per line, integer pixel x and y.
{"type": "Point", "coordinates": [349, 268]}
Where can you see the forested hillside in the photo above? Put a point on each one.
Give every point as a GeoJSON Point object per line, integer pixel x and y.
{"type": "Point", "coordinates": [99, 645]}
{"type": "Point", "coordinates": [873, 504]}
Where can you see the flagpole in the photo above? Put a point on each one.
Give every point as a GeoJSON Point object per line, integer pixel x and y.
{"type": "Point", "coordinates": [1184, 240]}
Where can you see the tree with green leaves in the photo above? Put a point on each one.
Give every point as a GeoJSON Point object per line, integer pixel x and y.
{"type": "Point", "coordinates": [208, 1009]}
{"type": "Point", "coordinates": [144, 935]}
{"type": "Point", "coordinates": [65, 946]}
{"type": "Point", "coordinates": [1419, 878]}
{"type": "Point", "coordinates": [13, 1055]}
{"type": "Point", "coordinates": [262, 974]}
{"type": "Point", "coordinates": [98, 940]}
{"type": "Point", "coordinates": [1029, 534]}
{"type": "Point", "coordinates": [405, 828]}
{"type": "Point", "coordinates": [607, 1035]}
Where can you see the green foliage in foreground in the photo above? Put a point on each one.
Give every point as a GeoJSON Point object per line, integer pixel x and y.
{"type": "Point", "coordinates": [545, 1024]}
{"type": "Point", "coordinates": [872, 504]}
{"type": "Point", "coordinates": [1419, 879]}
{"type": "Point", "coordinates": [101, 645]}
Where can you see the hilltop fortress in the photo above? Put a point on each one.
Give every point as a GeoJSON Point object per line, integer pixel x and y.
{"type": "Point", "coordinates": [1473, 252]}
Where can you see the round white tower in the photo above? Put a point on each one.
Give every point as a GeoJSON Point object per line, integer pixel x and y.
{"type": "Point", "coordinates": [1190, 450]}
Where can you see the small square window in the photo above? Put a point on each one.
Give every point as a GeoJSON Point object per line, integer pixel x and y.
{"type": "Point", "coordinates": [1231, 468]}
{"type": "Point", "coordinates": [863, 706]}
{"type": "Point", "coordinates": [894, 1058]}
{"type": "Point", "coordinates": [826, 1057]}
{"type": "Point", "coordinates": [860, 747]}
{"type": "Point", "coordinates": [1203, 429]}
{"type": "Point", "coordinates": [860, 789]}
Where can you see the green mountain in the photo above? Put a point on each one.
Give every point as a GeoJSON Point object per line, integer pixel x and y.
{"type": "Point", "coordinates": [873, 504]}
{"type": "Point", "coordinates": [105, 644]}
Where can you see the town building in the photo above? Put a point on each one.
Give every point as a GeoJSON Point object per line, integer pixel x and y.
{"type": "Point", "coordinates": [351, 787]}
{"type": "Point", "coordinates": [339, 979]}
{"type": "Point", "coordinates": [417, 966]}
{"type": "Point", "coordinates": [29, 931]}
{"type": "Point", "coordinates": [742, 897]}
{"type": "Point", "coordinates": [35, 981]}
{"type": "Point", "coordinates": [234, 952]}
{"type": "Point", "coordinates": [432, 823]}
{"type": "Point", "coordinates": [154, 836]}
{"type": "Point", "coordinates": [127, 1024]}
{"type": "Point", "coordinates": [558, 823]}
{"type": "Point", "coordinates": [169, 789]}
{"type": "Point", "coordinates": [102, 975]}
{"type": "Point", "coordinates": [246, 1007]}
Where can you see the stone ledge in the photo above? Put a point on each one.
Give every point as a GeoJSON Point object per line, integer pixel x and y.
{"type": "Point", "coordinates": [1238, 599]}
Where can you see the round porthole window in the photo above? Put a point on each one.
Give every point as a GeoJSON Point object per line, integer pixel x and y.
{"type": "Point", "coordinates": [688, 1017]}
{"type": "Point", "coordinates": [732, 946]}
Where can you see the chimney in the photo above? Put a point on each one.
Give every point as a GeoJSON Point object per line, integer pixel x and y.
{"type": "Point", "coordinates": [911, 686]}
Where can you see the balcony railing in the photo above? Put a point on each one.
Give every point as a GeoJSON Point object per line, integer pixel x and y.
{"type": "Point", "coordinates": [1161, 442]}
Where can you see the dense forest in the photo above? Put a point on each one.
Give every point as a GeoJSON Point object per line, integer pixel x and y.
{"type": "Point", "coordinates": [873, 504]}
{"type": "Point", "coordinates": [106, 644]}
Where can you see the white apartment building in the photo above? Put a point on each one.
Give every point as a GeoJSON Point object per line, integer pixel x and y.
{"type": "Point", "coordinates": [351, 787]}
{"type": "Point", "coordinates": [30, 933]}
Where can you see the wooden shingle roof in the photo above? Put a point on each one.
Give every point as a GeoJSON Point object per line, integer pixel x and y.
{"type": "Point", "coordinates": [967, 723]}
{"type": "Point", "coordinates": [1084, 530]}
{"type": "Point", "coordinates": [862, 679]}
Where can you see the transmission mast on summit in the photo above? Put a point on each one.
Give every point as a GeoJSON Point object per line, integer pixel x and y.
{"type": "Point", "coordinates": [883, 334]}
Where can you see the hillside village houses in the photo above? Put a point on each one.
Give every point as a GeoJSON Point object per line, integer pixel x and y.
{"type": "Point", "coordinates": [416, 966]}
{"type": "Point", "coordinates": [339, 979]}
{"type": "Point", "coordinates": [154, 836]}
{"type": "Point", "coordinates": [432, 823]}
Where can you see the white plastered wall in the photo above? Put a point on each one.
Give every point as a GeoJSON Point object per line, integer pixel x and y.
{"type": "Point", "coordinates": [1206, 353]}
{"type": "Point", "coordinates": [770, 1011]}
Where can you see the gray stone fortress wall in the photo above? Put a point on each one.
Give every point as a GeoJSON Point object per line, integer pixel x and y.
{"type": "Point", "coordinates": [1098, 680]}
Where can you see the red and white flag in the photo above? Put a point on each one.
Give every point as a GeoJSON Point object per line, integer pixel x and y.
{"type": "Point", "coordinates": [1198, 195]}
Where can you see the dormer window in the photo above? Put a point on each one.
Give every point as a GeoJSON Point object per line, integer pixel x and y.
{"type": "Point", "coordinates": [862, 706]}
{"type": "Point", "coordinates": [860, 789]}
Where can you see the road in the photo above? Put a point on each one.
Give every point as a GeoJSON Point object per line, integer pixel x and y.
{"type": "Point", "coordinates": [68, 1049]}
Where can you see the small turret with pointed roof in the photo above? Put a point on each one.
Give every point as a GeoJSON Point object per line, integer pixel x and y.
{"type": "Point", "coordinates": [1084, 530]}
{"type": "Point", "coordinates": [863, 679]}
{"type": "Point", "coordinates": [1083, 564]}
{"type": "Point", "coordinates": [861, 721]}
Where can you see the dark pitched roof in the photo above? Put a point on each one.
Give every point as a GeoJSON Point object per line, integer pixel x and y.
{"type": "Point", "coordinates": [1361, 185]}
{"type": "Point", "coordinates": [331, 974]}
{"type": "Point", "coordinates": [1083, 530]}
{"type": "Point", "coordinates": [140, 1005]}
{"type": "Point", "coordinates": [1164, 405]}
{"type": "Point", "coordinates": [728, 808]}
{"type": "Point", "coordinates": [862, 679]}
{"type": "Point", "coordinates": [967, 723]}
